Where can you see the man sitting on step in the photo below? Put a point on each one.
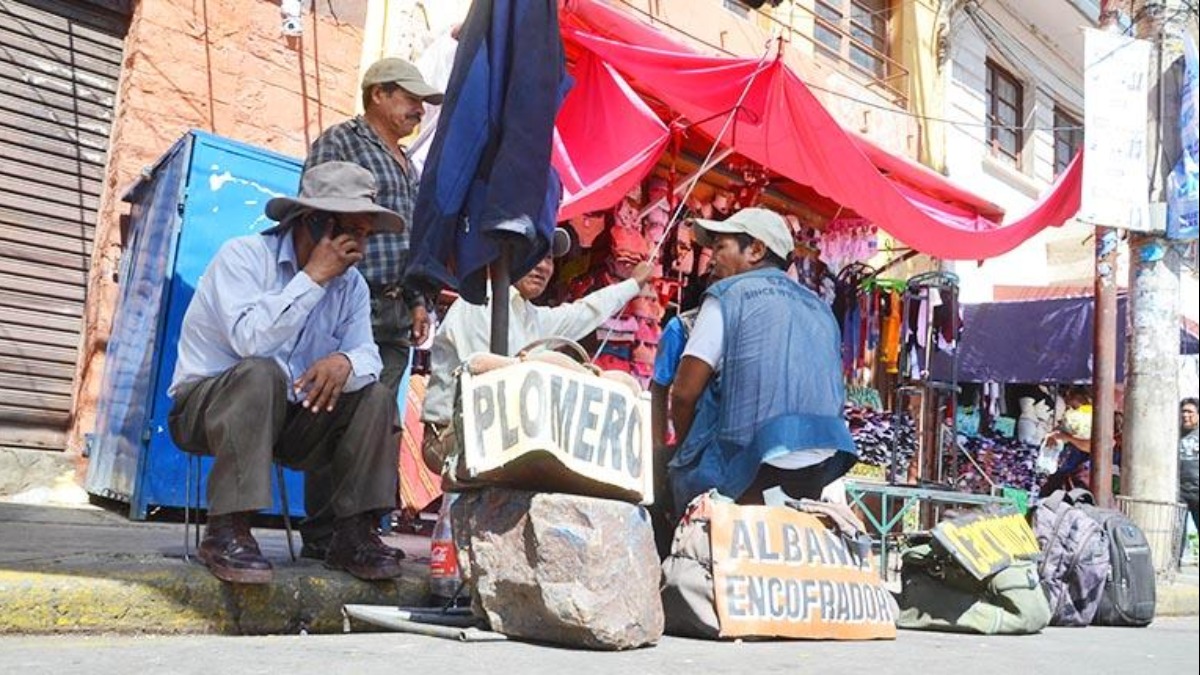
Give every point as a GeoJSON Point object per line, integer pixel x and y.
{"type": "Point", "coordinates": [277, 363]}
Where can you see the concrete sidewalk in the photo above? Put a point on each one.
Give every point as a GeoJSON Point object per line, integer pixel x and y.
{"type": "Point", "coordinates": [87, 569]}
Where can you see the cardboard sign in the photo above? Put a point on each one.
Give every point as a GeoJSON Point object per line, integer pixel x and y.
{"type": "Point", "coordinates": [985, 544]}
{"type": "Point", "coordinates": [539, 426]}
{"type": "Point", "coordinates": [781, 573]}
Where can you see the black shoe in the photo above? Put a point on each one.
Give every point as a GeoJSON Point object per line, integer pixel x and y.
{"type": "Point", "coordinates": [357, 549]}
{"type": "Point", "coordinates": [318, 550]}
{"type": "Point", "coordinates": [231, 553]}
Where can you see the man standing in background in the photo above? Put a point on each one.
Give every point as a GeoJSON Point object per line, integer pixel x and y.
{"type": "Point", "coordinates": [393, 97]}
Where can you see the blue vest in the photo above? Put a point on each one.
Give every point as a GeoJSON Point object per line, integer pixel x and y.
{"type": "Point", "coordinates": [779, 388]}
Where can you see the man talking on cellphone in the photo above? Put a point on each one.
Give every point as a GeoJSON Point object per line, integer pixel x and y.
{"type": "Point", "coordinates": [277, 363]}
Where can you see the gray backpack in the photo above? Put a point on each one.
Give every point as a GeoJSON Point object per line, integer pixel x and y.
{"type": "Point", "coordinates": [1075, 557]}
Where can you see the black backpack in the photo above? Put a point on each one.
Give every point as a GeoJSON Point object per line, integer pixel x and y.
{"type": "Point", "coordinates": [1129, 591]}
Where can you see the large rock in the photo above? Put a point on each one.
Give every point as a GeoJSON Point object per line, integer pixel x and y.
{"type": "Point", "coordinates": [571, 570]}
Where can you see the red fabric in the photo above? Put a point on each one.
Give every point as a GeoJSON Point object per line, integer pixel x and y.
{"type": "Point", "coordinates": [600, 19]}
{"type": "Point", "coordinates": [781, 125]}
{"type": "Point", "coordinates": [605, 139]}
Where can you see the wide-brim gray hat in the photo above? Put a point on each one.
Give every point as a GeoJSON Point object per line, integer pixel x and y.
{"type": "Point", "coordinates": [334, 187]}
{"type": "Point", "coordinates": [404, 74]}
{"type": "Point", "coordinates": [762, 224]}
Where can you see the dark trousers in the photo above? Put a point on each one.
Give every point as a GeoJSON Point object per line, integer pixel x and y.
{"type": "Point", "coordinates": [1193, 507]}
{"type": "Point", "coordinates": [806, 483]}
{"type": "Point", "coordinates": [243, 418]}
{"type": "Point", "coordinates": [391, 325]}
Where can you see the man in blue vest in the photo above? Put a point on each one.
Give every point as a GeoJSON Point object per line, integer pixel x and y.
{"type": "Point", "coordinates": [758, 395]}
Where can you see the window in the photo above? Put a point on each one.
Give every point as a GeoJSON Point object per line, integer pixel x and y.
{"type": "Point", "coordinates": [1068, 136]}
{"type": "Point", "coordinates": [854, 31]}
{"type": "Point", "coordinates": [1005, 114]}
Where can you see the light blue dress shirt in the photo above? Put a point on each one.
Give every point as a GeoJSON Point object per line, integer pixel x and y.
{"type": "Point", "coordinates": [253, 301]}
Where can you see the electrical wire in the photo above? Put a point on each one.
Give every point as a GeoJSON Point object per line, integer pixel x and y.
{"type": "Point", "coordinates": [695, 178]}
{"type": "Point", "coordinates": [847, 97]}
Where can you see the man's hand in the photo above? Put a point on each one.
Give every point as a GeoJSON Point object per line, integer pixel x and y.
{"type": "Point", "coordinates": [323, 381]}
{"type": "Point", "coordinates": [641, 273]}
{"type": "Point", "coordinates": [331, 257]}
{"type": "Point", "coordinates": [420, 325]}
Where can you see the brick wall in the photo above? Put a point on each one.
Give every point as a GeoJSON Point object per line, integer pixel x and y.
{"type": "Point", "coordinates": [221, 66]}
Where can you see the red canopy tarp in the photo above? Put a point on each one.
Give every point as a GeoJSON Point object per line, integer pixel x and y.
{"type": "Point", "coordinates": [783, 127]}
{"type": "Point", "coordinates": [606, 139]}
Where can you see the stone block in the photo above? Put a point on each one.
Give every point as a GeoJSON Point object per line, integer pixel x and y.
{"type": "Point", "coordinates": [576, 571]}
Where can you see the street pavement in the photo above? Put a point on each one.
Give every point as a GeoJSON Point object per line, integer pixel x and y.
{"type": "Point", "coordinates": [93, 571]}
{"type": "Point", "coordinates": [1168, 646]}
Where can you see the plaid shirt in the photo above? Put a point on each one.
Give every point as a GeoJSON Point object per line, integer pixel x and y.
{"type": "Point", "coordinates": [354, 141]}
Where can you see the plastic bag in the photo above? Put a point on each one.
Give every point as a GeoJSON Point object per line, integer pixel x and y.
{"type": "Point", "coordinates": [1047, 456]}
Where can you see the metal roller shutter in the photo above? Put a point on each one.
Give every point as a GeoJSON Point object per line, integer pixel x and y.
{"type": "Point", "coordinates": [59, 65]}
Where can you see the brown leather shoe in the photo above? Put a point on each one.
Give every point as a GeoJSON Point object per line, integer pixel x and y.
{"type": "Point", "coordinates": [231, 553]}
{"type": "Point", "coordinates": [357, 549]}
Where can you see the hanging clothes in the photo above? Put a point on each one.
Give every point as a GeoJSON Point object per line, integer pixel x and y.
{"type": "Point", "coordinates": [889, 338]}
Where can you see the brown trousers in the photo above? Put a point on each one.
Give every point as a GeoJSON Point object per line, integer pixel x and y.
{"type": "Point", "coordinates": [243, 418]}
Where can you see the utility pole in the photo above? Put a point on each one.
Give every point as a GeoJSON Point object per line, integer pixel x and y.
{"type": "Point", "coordinates": [1104, 335]}
{"type": "Point", "coordinates": [1150, 471]}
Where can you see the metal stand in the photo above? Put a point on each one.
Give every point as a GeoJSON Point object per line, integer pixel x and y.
{"type": "Point", "coordinates": [909, 497]}
{"type": "Point", "coordinates": [191, 507]}
{"type": "Point", "coordinates": [935, 462]}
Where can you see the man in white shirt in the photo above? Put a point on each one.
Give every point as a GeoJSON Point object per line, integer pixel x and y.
{"type": "Point", "coordinates": [277, 363]}
{"type": "Point", "coordinates": [466, 331]}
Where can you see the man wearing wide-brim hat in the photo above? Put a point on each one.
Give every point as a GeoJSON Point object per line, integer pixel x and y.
{"type": "Point", "coordinates": [277, 363]}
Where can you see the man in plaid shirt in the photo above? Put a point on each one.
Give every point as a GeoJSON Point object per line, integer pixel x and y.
{"type": "Point", "coordinates": [393, 97]}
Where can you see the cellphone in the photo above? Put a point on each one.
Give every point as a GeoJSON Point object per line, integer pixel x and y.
{"type": "Point", "coordinates": [319, 222]}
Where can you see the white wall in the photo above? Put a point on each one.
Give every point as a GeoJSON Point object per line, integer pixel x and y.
{"type": "Point", "coordinates": [1050, 73]}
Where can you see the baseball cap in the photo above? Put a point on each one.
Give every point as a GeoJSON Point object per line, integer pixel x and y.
{"type": "Point", "coordinates": [404, 74]}
{"type": "Point", "coordinates": [763, 224]}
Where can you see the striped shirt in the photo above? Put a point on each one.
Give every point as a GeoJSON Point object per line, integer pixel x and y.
{"type": "Point", "coordinates": [354, 141]}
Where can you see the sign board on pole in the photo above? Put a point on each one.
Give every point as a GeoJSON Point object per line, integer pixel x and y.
{"type": "Point", "coordinates": [778, 572]}
{"type": "Point", "coordinates": [1115, 174]}
{"type": "Point", "coordinates": [539, 426]}
{"type": "Point", "coordinates": [1183, 185]}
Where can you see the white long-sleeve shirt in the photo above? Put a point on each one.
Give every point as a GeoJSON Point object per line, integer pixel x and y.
{"type": "Point", "coordinates": [253, 300]}
{"type": "Point", "coordinates": [466, 330]}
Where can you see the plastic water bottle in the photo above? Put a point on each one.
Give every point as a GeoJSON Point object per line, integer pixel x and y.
{"type": "Point", "coordinates": [444, 577]}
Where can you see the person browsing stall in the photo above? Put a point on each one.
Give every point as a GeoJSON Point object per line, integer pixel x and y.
{"type": "Point", "coordinates": [465, 331]}
{"type": "Point", "coordinates": [277, 363]}
{"type": "Point", "coordinates": [757, 399]}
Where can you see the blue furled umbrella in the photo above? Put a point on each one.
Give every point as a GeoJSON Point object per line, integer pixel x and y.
{"type": "Point", "coordinates": [488, 188]}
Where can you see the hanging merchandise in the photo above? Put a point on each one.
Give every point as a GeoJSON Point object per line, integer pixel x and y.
{"type": "Point", "coordinates": [857, 312]}
{"type": "Point", "coordinates": [998, 462]}
{"type": "Point", "coordinates": [879, 434]}
{"type": "Point", "coordinates": [892, 307]}
{"type": "Point", "coordinates": [848, 240]}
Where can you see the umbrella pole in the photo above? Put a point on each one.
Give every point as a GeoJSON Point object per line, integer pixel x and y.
{"type": "Point", "coordinates": [500, 276]}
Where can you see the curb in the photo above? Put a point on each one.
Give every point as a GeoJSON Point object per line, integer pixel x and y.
{"type": "Point", "coordinates": [153, 595]}
{"type": "Point", "coordinates": [1175, 599]}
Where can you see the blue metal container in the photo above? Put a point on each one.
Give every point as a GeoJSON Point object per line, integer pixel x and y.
{"type": "Point", "coordinates": [202, 192]}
